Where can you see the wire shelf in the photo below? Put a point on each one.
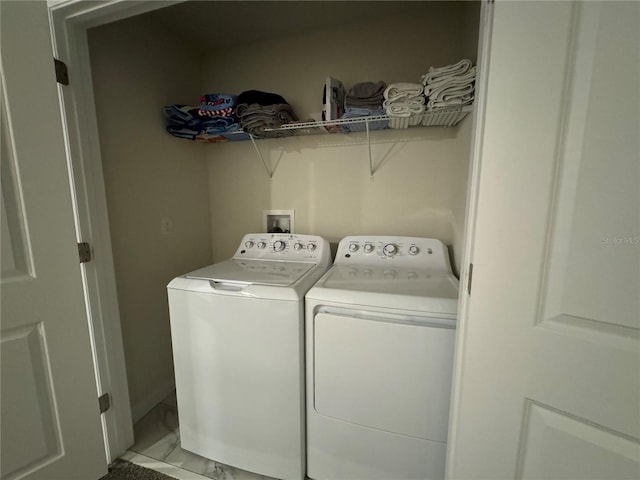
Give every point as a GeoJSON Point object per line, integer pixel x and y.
{"type": "Point", "coordinates": [443, 118]}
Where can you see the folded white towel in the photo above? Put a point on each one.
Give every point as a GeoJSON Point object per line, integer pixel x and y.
{"type": "Point", "coordinates": [450, 101]}
{"type": "Point", "coordinates": [397, 91]}
{"type": "Point", "coordinates": [465, 79]}
{"type": "Point", "coordinates": [404, 109]}
{"type": "Point", "coordinates": [451, 90]}
{"type": "Point", "coordinates": [421, 100]}
{"type": "Point", "coordinates": [435, 74]}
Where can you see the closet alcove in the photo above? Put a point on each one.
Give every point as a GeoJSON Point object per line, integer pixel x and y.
{"type": "Point", "coordinates": [175, 205]}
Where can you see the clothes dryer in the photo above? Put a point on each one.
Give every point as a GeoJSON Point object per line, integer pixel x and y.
{"type": "Point", "coordinates": [380, 333]}
{"type": "Point", "coordinates": [237, 329]}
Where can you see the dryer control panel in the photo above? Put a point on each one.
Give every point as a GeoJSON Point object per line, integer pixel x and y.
{"type": "Point", "coordinates": [402, 252]}
{"type": "Point", "coordinates": [283, 247]}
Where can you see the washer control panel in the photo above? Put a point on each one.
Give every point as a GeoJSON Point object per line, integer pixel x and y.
{"type": "Point", "coordinates": [283, 247]}
{"type": "Point", "coordinates": [403, 252]}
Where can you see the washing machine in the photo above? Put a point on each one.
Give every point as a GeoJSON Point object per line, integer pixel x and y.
{"type": "Point", "coordinates": [380, 333]}
{"type": "Point", "coordinates": [237, 330]}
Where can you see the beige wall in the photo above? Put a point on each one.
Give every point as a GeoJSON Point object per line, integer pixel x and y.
{"type": "Point", "coordinates": [420, 186]}
{"type": "Point", "coordinates": [149, 176]}
{"type": "Point", "coordinates": [214, 194]}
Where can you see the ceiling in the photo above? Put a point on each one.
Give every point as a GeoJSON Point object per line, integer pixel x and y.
{"type": "Point", "coordinates": [207, 24]}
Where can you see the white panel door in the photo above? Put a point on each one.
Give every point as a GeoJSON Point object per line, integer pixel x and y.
{"type": "Point", "coordinates": [50, 416]}
{"type": "Point", "coordinates": [548, 382]}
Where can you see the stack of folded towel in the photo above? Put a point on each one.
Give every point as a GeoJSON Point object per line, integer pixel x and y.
{"type": "Point", "coordinates": [183, 121]}
{"type": "Point", "coordinates": [218, 104]}
{"type": "Point", "coordinates": [364, 100]}
{"type": "Point", "coordinates": [259, 111]}
{"type": "Point", "coordinates": [219, 112]}
{"type": "Point", "coordinates": [209, 122]}
{"type": "Point", "coordinates": [450, 86]}
{"type": "Point", "coordinates": [404, 102]}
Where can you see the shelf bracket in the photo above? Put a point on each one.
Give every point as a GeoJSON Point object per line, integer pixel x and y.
{"type": "Point", "coordinates": [264, 163]}
{"type": "Point", "coordinates": [371, 170]}
{"type": "Point", "coordinates": [269, 169]}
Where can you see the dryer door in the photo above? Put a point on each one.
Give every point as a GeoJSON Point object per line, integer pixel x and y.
{"type": "Point", "coordinates": [387, 372]}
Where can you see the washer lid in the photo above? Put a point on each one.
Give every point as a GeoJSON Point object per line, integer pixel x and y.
{"type": "Point", "coordinates": [258, 272]}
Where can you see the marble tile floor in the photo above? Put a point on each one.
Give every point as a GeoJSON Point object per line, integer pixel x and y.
{"type": "Point", "coordinates": [157, 446]}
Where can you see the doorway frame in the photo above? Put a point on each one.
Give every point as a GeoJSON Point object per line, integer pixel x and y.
{"type": "Point", "coordinates": [69, 21]}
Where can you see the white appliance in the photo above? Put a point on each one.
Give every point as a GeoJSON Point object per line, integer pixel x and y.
{"type": "Point", "coordinates": [237, 329]}
{"type": "Point", "coordinates": [380, 332]}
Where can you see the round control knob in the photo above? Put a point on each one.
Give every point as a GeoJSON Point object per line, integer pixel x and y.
{"type": "Point", "coordinates": [311, 247]}
{"type": "Point", "coordinates": [368, 248]}
{"type": "Point", "coordinates": [390, 250]}
{"type": "Point", "coordinates": [261, 244]}
{"type": "Point", "coordinates": [413, 250]}
{"type": "Point", "coordinates": [353, 247]}
{"type": "Point", "coordinates": [248, 244]}
{"type": "Point", "coordinates": [297, 247]}
{"type": "Point", "coordinates": [278, 245]}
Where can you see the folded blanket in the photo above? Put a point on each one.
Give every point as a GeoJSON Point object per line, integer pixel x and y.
{"type": "Point", "coordinates": [218, 101]}
{"type": "Point", "coordinates": [181, 115]}
{"type": "Point", "coordinates": [222, 122]}
{"type": "Point", "coordinates": [255, 118]}
{"type": "Point", "coordinates": [183, 132]}
{"type": "Point", "coordinates": [185, 121]}
{"type": "Point", "coordinates": [261, 98]}
{"type": "Point", "coordinates": [358, 112]}
{"type": "Point", "coordinates": [244, 109]}
{"type": "Point", "coordinates": [219, 129]}
{"type": "Point", "coordinates": [258, 126]}
{"type": "Point", "coordinates": [401, 91]}
{"type": "Point", "coordinates": [366, 95]}
{"type": "Point", "coordinates": [435, 74]}
{"type": "Point", "coordinates": [206, 111]}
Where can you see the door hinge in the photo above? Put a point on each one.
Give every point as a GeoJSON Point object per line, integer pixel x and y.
{"type": "Point", "coordinates": [62, 74]}
{"type": "Point", "coordinates": [84, 252]}
{"type": "Point", "coordinates": [469, 278]}
{"type": "Point", "coordinates": [104, 401]}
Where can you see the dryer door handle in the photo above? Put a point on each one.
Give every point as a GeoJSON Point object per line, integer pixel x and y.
{"type": "Point", "coordinates": [419, 321]}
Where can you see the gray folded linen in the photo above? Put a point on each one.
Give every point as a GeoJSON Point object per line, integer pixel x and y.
{"type": "Point", "coordinates": [365, 94]}
{"type": "Point", "coordinates": [255, 119]}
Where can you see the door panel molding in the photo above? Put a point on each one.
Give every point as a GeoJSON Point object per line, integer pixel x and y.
{"type": "Point", "coordinates": [28, 404]}
{"type": "Point", "coordinates": [17, 255]}
{"type": "Point", "coordinates": [567, 298]}
{"type": "Point", "coordinates": [548, 435]}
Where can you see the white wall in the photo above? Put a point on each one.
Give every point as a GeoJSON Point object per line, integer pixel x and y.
{"type": "Point", "coordinates": [420, 188]}
{"type": "Point", "coordinates": [149, 176]}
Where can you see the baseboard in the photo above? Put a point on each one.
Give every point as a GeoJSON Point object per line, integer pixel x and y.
{"type": "Point", "coordinates": [141, 408]}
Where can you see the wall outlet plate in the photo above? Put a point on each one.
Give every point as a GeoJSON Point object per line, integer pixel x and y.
{"type": "Point", "coordinates": [278, 221]}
